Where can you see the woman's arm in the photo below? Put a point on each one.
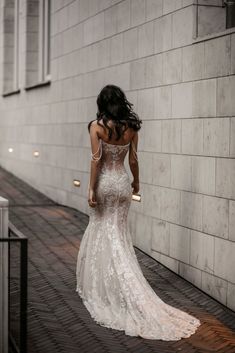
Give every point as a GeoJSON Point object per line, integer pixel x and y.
{"type": "Point", "coordinates": [133, 162]}
{"type": "Point", "coordinates": [96, 152]}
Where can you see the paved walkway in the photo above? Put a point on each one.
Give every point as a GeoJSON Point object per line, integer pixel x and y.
{"type": "Point", "coordinates": [59, 322]}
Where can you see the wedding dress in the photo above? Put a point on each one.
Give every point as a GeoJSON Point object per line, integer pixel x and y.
{"type": "Point", "coordinates": [109, 278]}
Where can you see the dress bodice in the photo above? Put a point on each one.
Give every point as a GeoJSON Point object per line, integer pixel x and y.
{"type": "Point", "coordinates": [113, 156]}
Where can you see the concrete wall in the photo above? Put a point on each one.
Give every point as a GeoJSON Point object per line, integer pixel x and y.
{"type": "Point", "coordinates": [183, 89]}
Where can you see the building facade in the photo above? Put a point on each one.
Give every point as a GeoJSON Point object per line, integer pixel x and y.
{"type": "Point", "coordinates": [175, 59]}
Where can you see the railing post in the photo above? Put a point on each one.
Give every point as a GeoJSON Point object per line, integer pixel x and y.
{"type": "Point", "coordinates": [4, 276]}
{"type": "Point", "coordinates": [23, 294]}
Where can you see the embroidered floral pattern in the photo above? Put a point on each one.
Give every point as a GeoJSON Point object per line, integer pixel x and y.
{"type": "Point", "coordinates": [109, 278]}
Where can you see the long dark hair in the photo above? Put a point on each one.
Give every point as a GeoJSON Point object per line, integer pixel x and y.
{"type": "Point", "coordinates": [113, 105]}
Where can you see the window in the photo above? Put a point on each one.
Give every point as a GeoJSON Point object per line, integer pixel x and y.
{"type": "Point", "coordinates": [11, 46]}
{"type": "Point", "coordinates": [230, 13]}
{"type": "Point", "coordinates": [214, 16]}
{"type": "Point", "coordinates": [37, 42]}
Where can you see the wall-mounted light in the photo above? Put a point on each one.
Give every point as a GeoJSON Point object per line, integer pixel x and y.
{"type": "Point", "coordinates": [76, 182]}
{"type": "Point", "coordinates": [36, 153]}
{"type": "Point", "coordinates": [10, 149]}
{"type": "Point", "coordinates": [136, 197]}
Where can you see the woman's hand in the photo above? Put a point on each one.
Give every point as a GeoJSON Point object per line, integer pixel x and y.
{"type": "Point", "coordinates": [91, 198]}
{"type": "Point", "coordinates": [136, 186]}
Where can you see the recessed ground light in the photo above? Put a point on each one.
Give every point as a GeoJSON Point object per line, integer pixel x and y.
{"type": "Point", "coordinates": [136, 197]}
{"type": "Point", "coordinates": [36, 153]}
{"type": "Point", "coordinates": [76, 182]}
{"type": "Point", "coordinates": [10, 149]}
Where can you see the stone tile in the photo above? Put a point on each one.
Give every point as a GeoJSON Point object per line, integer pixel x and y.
{"type": "Point", "coordinates": [154, 70]}
{"type": "Point", "coordinates": [171, 5]}
{"type": "Point", "coordinates": [116, 49]}
{"type": "Point", "coordinates": [191, 274]}
{"type": "Point", "coordinates": [137, 12]}
{"type": "Point", "coordinates": [88, 31]}
{"type": "Point", "coordinates": [182, 100]}
{"type": "Point", "coordinates": [215, 287]}
{"type": "Point", "coordinates": [103, 53]}
{"type": "Point", "coordinates": [182, 27]}
{"type": "Point", "coordinates": [154, 9]}
{"type": "Point", "coordinates": [225, 97]}
{"type": "Point", "coordinates": [203, 175]}
{"type": "Point", "coordinates": [224, 259]}
{"type": "Point", "coordinates": [152, 136]}
{"type": "Point", "coordinates": [138, 74]}
{"type": "Point", "coordinates": [191, 210]}
{"type": "Point", "coordinates": [145, 160]}
{"type": "Point", "coordinates": [161, 169]}
{"type": "Point", "coordinates": [94, 7]}
{"type": "Point", "coordinates": [232, 220]}
{"type": "Point", "coordinates": [187, 2]}
{"type": "Point", "coordinates": [170, 263]}
{"type": "Point", "coordinates": [83, 9]}
{"type": "Point", "coordinates": [181, 172]}
{"type": "Point", "coordinates": [233, 53]}
{"type": "Point", "coordinates": [179, 243]}
{"type": "Point", "coordinates": [151, 200]}
{"type": "Point", "coordinates": [162, 102]}
{"type": "Point", "coordinates": [145, 39]}
{"type": "Point", "coordinates": [217, 57]}
{"type": "Point", "coordinates": [156, 255]}
{"type": "Point", "coordinates": [170, 205]}
{"type": "Point", "coordinates": [172, 66]}
{"type": "Point", "coordinates": [192, 136]}
{"type": "Point", "coordinates": [145, 103]}
{"type": "Point", "coordinates": [204, 98]}
{"type": "Point", "coordinates": [163, 34]}
{"type": "Point", "coordinates": [160, 236]}
{"type": "Point", "coordinates": [123, 15]}
{"type": "Point", "coordinates": [98, 27]}
{"type": "Point", "coordinates": [225, 177]}
{"type": "Point", "coordinates": [110, 21]}
{"type": "Point", "coordinates": [216, 136]}
{"type": "Point", "coordinates": [232, 138]}
{"type": "Point", "coordinates": [119, 75]}
{"type": "Point", "coordinates": [193, 62]}
{"type": "Point", "coordinates": [143, 233]}
{"type": "Point", "coordinates": [171, 136]}
{"type": "Point", "coordinates": [167, 261]}
{"type": "Point", "coordinates": [202, 251]}
{"type": "Point", "coordinates": [130, 44]}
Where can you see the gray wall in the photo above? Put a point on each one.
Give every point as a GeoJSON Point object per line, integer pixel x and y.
{"type": "Point", "coordinates": [182, 86]}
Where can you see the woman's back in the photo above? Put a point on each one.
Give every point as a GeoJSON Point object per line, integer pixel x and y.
{"type": "Point", "coordinates": [103, 133]}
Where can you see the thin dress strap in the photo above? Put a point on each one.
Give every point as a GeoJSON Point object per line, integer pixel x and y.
{"type": "Point", "coordinates": [94, 156]}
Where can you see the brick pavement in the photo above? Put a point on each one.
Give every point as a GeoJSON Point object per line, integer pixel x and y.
{"type": "Point", "coordinates": [59, 322]}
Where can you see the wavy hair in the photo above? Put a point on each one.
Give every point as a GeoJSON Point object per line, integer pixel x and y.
{"type": "Point", "coordinates": [113, 105]}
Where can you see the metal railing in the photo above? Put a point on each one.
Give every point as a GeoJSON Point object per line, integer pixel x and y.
{"type": "Point", "coordinates": [14, 235]}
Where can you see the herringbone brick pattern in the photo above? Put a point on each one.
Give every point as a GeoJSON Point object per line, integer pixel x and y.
{"type": "Point", "coordinates": [59, 322]}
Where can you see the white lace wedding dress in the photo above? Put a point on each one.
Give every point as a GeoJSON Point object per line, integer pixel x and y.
{"type": "Point", "coordinates": [109, 278]}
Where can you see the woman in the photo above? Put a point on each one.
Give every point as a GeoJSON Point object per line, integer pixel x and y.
{"type": "Point", "coordinates": [109, 278]}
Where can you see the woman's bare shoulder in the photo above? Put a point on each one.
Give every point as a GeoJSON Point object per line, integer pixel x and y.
{"type": "Point", "coordinates": [94, 124]}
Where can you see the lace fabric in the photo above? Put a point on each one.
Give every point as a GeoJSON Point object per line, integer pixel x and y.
{"type": "Point", "coordinates": [109, 278]}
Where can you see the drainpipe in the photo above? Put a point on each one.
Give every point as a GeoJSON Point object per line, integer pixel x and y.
{"type": "Point", "coordinates": [230, 13]}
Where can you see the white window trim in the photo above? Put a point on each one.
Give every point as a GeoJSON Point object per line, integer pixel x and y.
{"type": "Point", "coordinates": [44, 41]}
{"type": "Point", "coordinates": [16, 46]}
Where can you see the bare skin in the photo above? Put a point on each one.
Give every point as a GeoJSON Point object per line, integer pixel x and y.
{"type": "Point", "coordinates": [98, 132]}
